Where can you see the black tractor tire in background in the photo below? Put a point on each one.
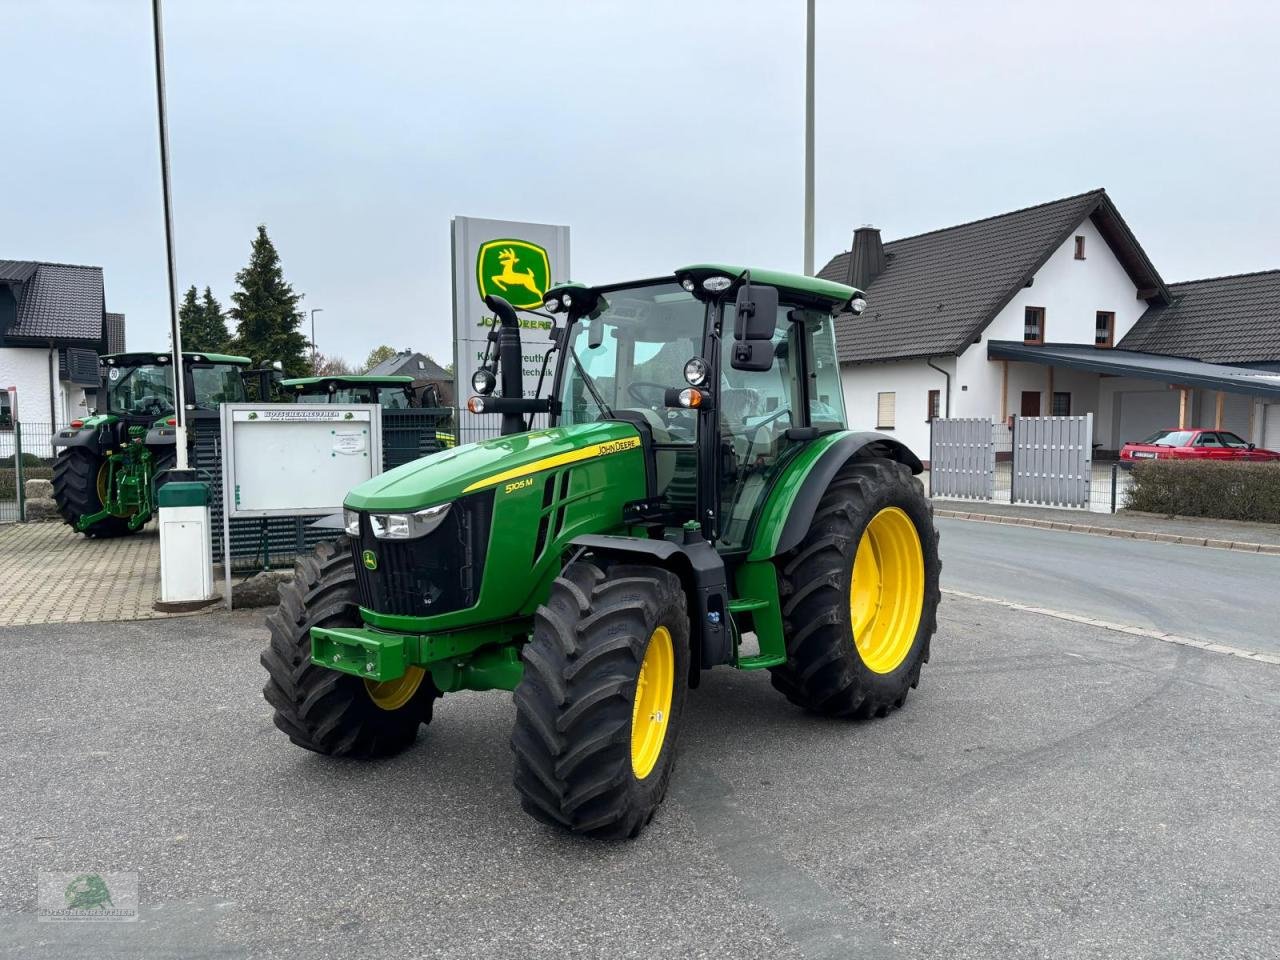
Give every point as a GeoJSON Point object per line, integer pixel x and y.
{"type": "Point", "coordinates": [75, 490]}
{"type": "Point", "coordinates": [320, 709]}
{"type": "Point", "coordinates": [576, 705]}
{"type": "Point", "coordinates": [824, 672]}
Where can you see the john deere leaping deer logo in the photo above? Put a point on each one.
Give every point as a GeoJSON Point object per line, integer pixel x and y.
{"type": "Point", "coordinates": [516, 270]}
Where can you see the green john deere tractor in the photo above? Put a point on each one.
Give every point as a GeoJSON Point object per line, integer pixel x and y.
{"type": "Point", "coordinates": [109, 464]}
{"type": "Point", "coordinates": [697, 501]}
{"type": "Point", "coordinates": [391, 393]}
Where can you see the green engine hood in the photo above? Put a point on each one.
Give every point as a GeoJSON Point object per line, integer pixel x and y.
{"type": "Point", "coordinates": [501, 462]}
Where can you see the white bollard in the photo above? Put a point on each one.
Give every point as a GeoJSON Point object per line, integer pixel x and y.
{"type": "Point", "coordinates": [186, 571]}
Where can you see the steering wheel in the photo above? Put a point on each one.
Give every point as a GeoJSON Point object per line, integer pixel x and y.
{"type": "Point", "coordinates": [643, 385]}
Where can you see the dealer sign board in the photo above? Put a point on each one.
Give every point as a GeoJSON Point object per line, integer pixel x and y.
{"type": "Point", "coordinates": [518, 262]}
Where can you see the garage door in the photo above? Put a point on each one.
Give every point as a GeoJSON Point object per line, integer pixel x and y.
{"type": "Point", "coordinates": [1143, 412]}
{"type": "Point", "coordinates": [1271, 426]}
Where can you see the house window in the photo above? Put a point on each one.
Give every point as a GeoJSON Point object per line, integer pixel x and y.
{"type": "Point", "coordinates": [935, 404]}
{"type": "Point", "coordinates": [1079, 248]}
{"type": "Point", "coordinates": [1061, 404]}
{"type": "Point", "coordinates": [1033, 325]}
{"type": "Point", "coordinates": [1030, 403]}
{"type": "Point", "coordinates": [1105, 329]}
{"type": "Point", "coordinates": [6, 414]}
{"type": "Point", "coordinates": [886, 410]}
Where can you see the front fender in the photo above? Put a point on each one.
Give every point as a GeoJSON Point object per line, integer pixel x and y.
{"type": "Point", "coordinates": [791, 506]}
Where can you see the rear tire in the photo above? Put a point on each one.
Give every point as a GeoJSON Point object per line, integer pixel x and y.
{"type": "Point", "coordinates": [75, 490]}
{"type": "Point", "coordinates": [323, 710]}
{"type": "Point", "coordinates": [827, 671]}
{"type": "Point", "coordinates": [594, 745]}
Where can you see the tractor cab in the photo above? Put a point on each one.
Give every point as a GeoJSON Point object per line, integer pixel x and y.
{"type": "Point", "coordinates": [391, 393]}
{"type": "Point", "coordinates": [140, 386]}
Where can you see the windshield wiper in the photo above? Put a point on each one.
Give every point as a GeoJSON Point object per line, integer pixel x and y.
{"type": "Point", "coordinates": [590, 384]}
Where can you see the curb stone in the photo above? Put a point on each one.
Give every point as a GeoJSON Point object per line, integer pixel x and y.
{"type": "Point", "coordinates": [1121, 533]}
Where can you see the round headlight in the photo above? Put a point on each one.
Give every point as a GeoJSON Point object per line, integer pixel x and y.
{"type": "Point", "coordinates": [483, 381]}
{"type": "Point", "coordinates": [696, 371]}
{"type": "Point", "coordinates": [687, 283]}
{"type": "Point", "coordinates": [568, 300]}
{"type": "Point", "coordinates": [476, 404]}
{"type": "Point", "coordinates": [857, 304]}
{"type": "Point", "coordinates": [552, 304]}
{"type": "Point", "coordinates": [716, 284]}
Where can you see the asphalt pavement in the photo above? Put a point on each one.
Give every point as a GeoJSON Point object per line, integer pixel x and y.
{"type": "Point", "coordinates": [1051, 790]}
{"type": "Point", "coordinates": [1220, 595]}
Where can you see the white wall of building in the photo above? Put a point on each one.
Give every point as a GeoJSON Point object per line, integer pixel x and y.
{"type": "Point", "coordinates": [1071, 292]}
{"type": "Point", "coordinates": [27, 368]}
{"type": "Point", "coordinates": [910, 381]}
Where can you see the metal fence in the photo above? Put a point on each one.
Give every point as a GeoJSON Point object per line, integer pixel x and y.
{"type": "Point", "coordinates": [963, 458]}
{"type": "Point", "coordinates": [26, 453]}
{"type": "Point", "coordinates": [1036, 461]}
{"type": "Point", "coordinates": [1052, 461]}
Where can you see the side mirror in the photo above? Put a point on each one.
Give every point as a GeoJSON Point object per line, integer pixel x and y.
{"type": "Point", "coordinates": [595, 333]}
{"type": "Point", "coordinates": [755, 316]}
{"type": "Point", "coordinates": [1253, 446]}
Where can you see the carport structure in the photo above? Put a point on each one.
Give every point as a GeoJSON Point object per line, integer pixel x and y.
{"type": "Point", "coordinates": [1243, 399]}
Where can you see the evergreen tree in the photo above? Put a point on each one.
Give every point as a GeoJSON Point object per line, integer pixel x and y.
{"type": "Point", "coordinates": [215, 321]}
{"type": "Point", "coordinates": [266, 312]}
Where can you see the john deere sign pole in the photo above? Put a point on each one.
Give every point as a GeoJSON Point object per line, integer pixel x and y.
{"type": "Point", "coordinates": [515, 261]}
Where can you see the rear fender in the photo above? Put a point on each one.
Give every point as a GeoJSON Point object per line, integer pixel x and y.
{"type": "Point", "coordinates": [790, 509]}
{"type": "Point", "coordinates": [97, 434]}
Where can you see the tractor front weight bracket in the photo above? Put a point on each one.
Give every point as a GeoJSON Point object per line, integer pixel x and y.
{"type": "Point", "coordinates": [483, 658]}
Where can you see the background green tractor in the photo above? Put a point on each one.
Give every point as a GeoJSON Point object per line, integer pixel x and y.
{"type": "Point", "coordinates": [697, 501]}
{"type": "Point", "coordinates": [109, 464]}
{"type": "Point", "coordinates": [391, 393]}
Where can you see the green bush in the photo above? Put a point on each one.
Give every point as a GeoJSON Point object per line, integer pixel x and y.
{"type": "Point", "coordinates": [1205, 488]}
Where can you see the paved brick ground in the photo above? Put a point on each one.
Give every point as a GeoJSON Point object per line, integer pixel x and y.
{"type": "Point", "coordinates": [54, 575]}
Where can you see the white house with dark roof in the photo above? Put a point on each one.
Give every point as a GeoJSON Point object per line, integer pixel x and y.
{"type": "Point", "coordinates": [1053, 310]}
{"type": "Point", "coordinates": [53, 326]}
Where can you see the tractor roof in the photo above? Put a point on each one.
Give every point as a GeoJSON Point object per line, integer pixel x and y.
{"type": "Point", "coordinates": [385, 381]}
{"type": "Point", "coordinates": [797, 284]}
{"type": "Point", "coordinates": [198, 357]}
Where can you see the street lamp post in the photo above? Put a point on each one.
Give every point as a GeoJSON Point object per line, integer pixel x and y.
{"type": "Point", "coordinates": [808, 142]}
{"type": "Point", "coordinates": [315, 365]}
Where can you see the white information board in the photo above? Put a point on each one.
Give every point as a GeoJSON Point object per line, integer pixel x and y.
{"type": "Point", "coordinates": [293, 459]}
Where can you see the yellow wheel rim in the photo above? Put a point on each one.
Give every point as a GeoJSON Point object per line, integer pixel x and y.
{"type": "Point", "coordinates": [886, 591]}
{"type": "Point", "coordinates": [394, 694]}
{"type": "Point", "coordinates": [652, 710]}
{"type": "Point", "coordinates": [104, 475]}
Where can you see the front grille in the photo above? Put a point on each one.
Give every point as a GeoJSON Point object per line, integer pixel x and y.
{"type": "Point", "coordinates": [435, 574]}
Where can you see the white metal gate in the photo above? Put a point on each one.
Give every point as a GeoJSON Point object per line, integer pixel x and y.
{"type": "Point", "coordinates": [962, 458]}
{"type": "Point", "coordinates": [1052, 460]}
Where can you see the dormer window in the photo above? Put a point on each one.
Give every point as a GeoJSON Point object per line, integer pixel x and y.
{"type": "Point", "coordinates": [1033, 325]}
{"type": "Point", "coordinates": [1105, 329]}
{"type": "Point", "coordinates": [1079, 248]}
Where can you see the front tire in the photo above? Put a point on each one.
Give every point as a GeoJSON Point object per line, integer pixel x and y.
{"type": "Point", "coordinates": [860, 594]}
{"type": "Point", "coordinates": [599, 708]}
{"type": "Point", "coordinates": [323, 710]}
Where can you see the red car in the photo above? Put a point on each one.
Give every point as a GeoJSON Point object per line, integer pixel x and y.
{"type": "Point", "coordinates": [1194, 445]}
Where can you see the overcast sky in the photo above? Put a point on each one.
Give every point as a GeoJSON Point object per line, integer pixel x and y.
{"type": "Point", "coordinates": [663, 133]}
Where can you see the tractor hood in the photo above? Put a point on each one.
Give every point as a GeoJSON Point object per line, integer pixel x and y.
{"type": "Point", "coordinates": [496, 462]}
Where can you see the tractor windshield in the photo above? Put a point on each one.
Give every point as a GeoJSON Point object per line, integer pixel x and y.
{"type": "Point", "coordinates": [143, 389]}
{"type": "Point", "coordinates": [628, 356]}
{"type": "Point", "coordinates": [217, 383]}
